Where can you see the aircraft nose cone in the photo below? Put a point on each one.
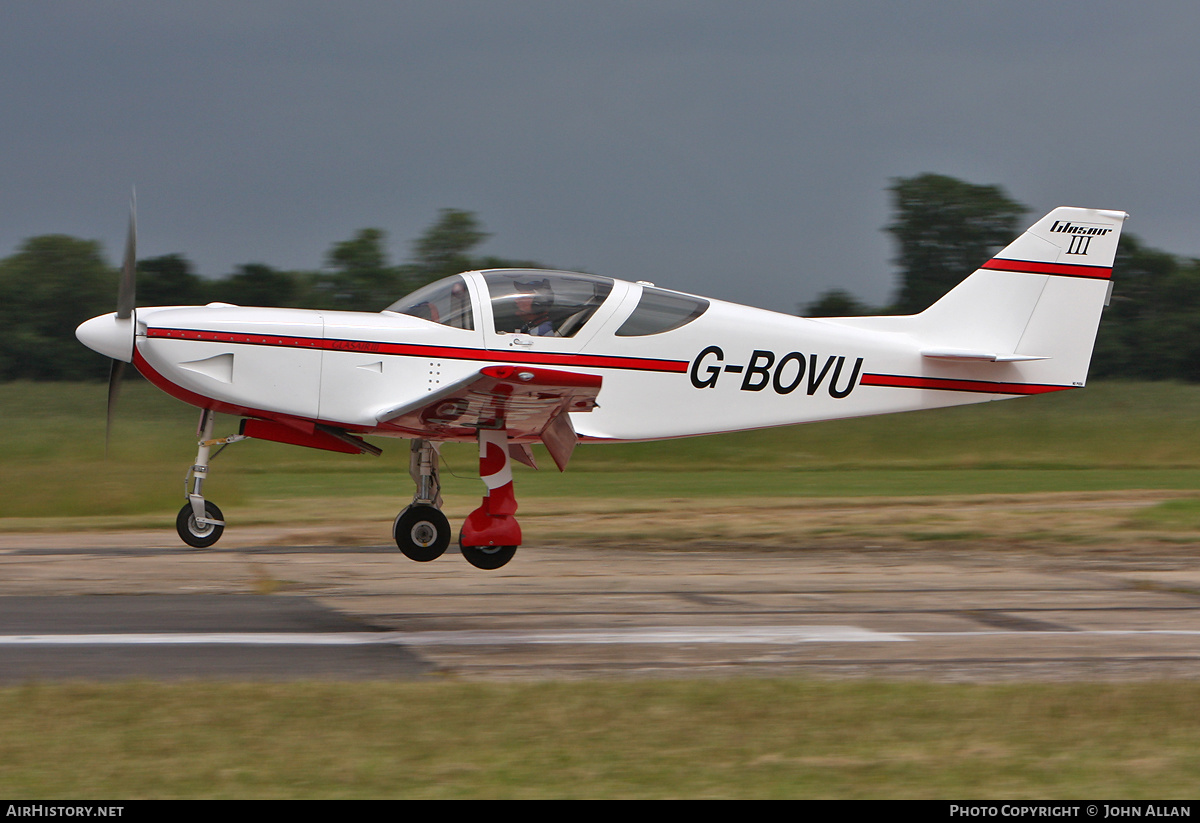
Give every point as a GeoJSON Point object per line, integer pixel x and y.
{"type": "Point", "coordinates": [108, 335]}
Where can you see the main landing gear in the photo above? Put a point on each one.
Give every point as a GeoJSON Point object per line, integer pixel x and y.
{"type": "Point", "coordinates": [490, 535]}
{"type": "Point", "coordinates": [200, 523]}
{"type": "Point", "coordinates": [489, 538]}
{"type": "Point", "coordinates": [421, 531]}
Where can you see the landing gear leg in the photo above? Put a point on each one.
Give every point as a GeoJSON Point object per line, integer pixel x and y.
{"type": "Point", "coordinates": [200, 523]}
{"type": "Point", "coordinates": [421, 531]}
{"type": "Point", "coordinates": [490, 535]}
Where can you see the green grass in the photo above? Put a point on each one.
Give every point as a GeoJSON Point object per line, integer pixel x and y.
{"type": "Point", "coordinates": [1182, 514]}
{"type": "Point", "coordinates": [1109, 436]}
{"type": "Point", "coordinates": [695, 738]}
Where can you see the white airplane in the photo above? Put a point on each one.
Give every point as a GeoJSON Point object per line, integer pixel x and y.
{"type": "Point", "coordinates": [512, 357]}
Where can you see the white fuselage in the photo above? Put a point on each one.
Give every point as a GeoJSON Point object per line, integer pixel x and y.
{"type": "Point", "coordinates": [732, 368]}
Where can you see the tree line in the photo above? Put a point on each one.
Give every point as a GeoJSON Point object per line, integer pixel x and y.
{"type": "Point", "coordinates": [944, 229]}
{"type": "Point", "coordinates": [54, 282]}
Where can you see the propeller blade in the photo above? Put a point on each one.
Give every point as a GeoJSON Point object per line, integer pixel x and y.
{"type": "Point", "coordinates": [115, 372]}
{"type": "Point", "coordinates": [127, 290]}
{"type": "Point", "coordinates": [126, 301]}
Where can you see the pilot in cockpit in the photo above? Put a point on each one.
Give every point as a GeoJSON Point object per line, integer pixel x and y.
{"type": "Point", "coordinates": [533, 303]}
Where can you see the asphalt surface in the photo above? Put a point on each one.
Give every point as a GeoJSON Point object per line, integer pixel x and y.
{"type": "Point", "coordinates": [136, 605]}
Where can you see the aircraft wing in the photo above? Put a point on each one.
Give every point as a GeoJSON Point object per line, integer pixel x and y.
{"type": "Point", "coordinates": [527, 402]}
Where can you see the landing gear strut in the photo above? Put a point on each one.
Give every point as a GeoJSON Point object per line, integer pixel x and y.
{"type": "Point", "coordinates": [200, 523]}
{"type": "Point", "coordinates": [421, 531]}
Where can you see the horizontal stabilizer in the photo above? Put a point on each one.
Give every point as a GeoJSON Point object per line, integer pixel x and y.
{"type": "Point", "coordinates": [991, 357]}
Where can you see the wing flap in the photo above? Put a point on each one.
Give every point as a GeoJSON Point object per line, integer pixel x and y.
{"type": "Point", "coordinates": [530, 403]}
{"type": "Point", "coordinates": [560, 438]}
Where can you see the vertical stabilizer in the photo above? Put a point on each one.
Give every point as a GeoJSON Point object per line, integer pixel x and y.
{"type": "Point", "coordinates": [1039, 299]}
{"type": "Point", "coordinates": [1036, 303]}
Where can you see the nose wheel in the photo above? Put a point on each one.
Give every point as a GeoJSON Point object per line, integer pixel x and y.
{"type": "Point", "coordinates": [196, 533]}
{"type": "Point", "coordinates": [422, 533]}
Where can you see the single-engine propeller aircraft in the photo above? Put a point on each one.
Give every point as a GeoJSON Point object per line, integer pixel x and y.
{"type": "Point", "coordinates": [511, 357]}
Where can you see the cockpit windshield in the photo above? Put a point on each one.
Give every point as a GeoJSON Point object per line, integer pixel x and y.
{"type": "Point", "coordinates": [447, 302]}
{"type": "Point", "coordinates": [544, 303]}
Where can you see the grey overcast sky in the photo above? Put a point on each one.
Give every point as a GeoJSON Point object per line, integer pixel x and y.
{"type": "Point", "coordinates": [736, 149]}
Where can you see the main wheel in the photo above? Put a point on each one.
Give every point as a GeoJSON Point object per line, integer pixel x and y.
{"type": "Point", "coordinates": [422, 533]}
{"type": "Point", "coordinates": [487, 557]}
{"type": "Point", "coordinates": [199, 535]}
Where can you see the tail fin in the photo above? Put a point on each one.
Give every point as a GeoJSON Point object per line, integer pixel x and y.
{"type": "Point", "coordinates": [1039, 300]}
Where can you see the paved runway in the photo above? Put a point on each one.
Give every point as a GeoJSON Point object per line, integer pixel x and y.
{"type": "Point", "coordinates": [135, 605]}
{"type": "Point", "coordinates": [233, 636]}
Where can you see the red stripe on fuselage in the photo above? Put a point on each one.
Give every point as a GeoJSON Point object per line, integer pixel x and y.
{"type": "Point", "coordinates": [898, 381]}
{"type": "Point", "coordinates": [595, 361]}
{"type": "Point", "coordinates": [1063, 269]}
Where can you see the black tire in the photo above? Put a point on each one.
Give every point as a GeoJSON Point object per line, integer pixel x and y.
{"type": "Point", "coordinates": [199, 535]}
{"type": "Point", "coordinates": [422, 533]}
{"type": "Point", "coordinates": [487, 557]}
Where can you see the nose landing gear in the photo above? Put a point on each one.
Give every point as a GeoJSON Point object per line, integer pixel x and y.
{"type": "Point", "coordinates": [200, 523]}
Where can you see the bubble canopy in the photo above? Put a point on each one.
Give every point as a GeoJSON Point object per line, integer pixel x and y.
{"type": "Point", "coordinates": [546, 303]}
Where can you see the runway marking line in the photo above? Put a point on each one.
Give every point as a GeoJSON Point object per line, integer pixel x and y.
{"type": "Point", "coordinates": [666, 634]}
{"type": "Point", "coordinates": [644, 635]}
